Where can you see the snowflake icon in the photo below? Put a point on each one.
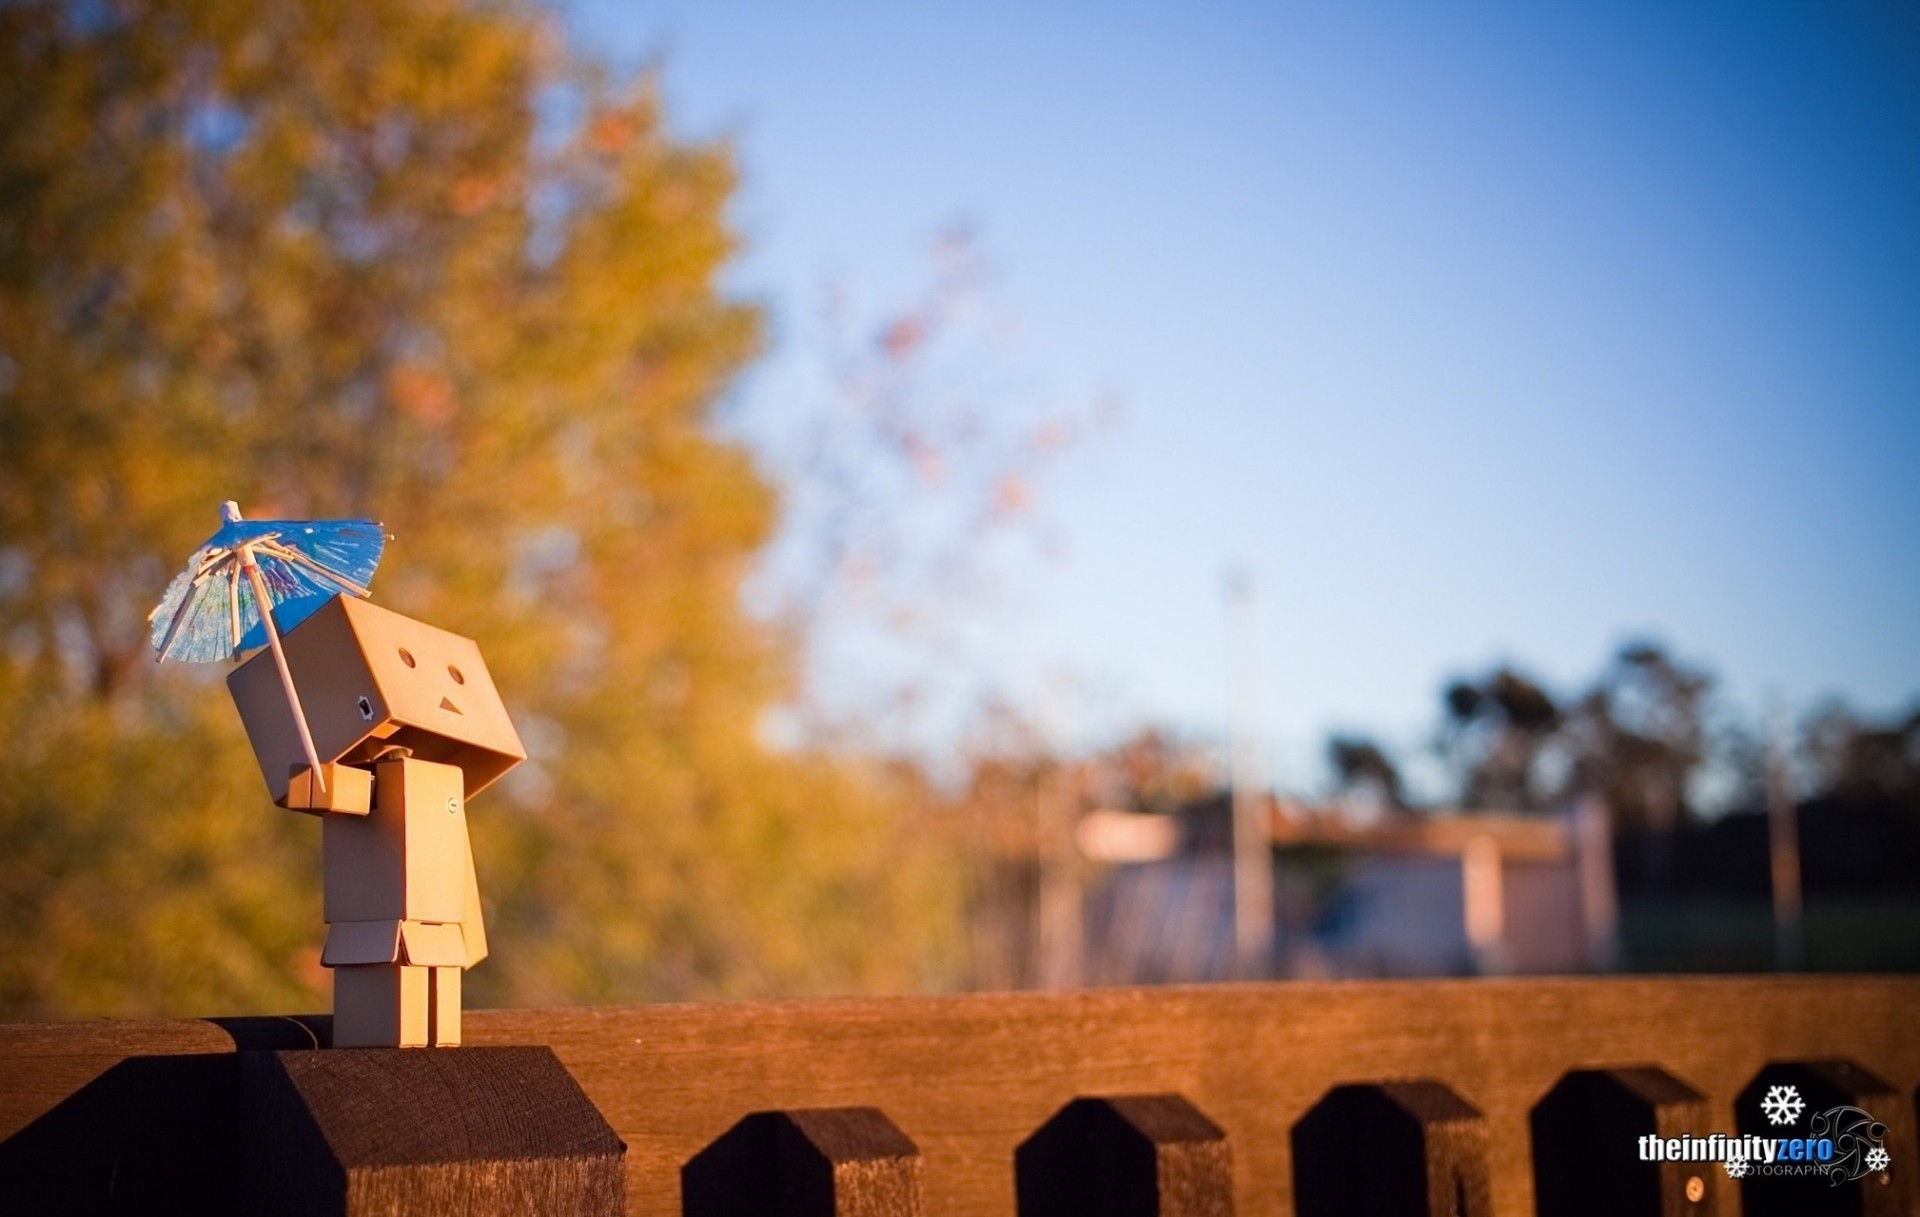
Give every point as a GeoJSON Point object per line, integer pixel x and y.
{"type": "Point", "coordinates": [1878, 1159]}
{"type": "Point", "coordinates": [1736, 1168]}
{"type": "Point", "coordinates": [1783, 1104]}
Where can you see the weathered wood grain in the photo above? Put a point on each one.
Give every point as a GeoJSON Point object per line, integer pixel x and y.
{"type": "Point", "coordinates": [969, 1078]}
{"type": "Point", "coordinates": [482, 1132]}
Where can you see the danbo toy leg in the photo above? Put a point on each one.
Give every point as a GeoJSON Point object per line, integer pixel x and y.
{"type": "Point", "coordinates": [443, 1007]}
{"type": "Point", "coordinates": [382, 1005]}
{"type": "Point", "coordinates": [396, 1005]}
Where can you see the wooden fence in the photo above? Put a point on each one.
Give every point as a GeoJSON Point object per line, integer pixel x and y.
{"type": "Point", "coordinates": [1434, 1097]}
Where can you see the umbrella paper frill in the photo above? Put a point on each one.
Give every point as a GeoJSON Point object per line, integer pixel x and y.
{"type": "Point", "coordinates": [213, 609]}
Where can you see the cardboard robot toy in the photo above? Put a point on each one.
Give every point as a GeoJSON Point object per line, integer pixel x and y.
{"type": "Point", "coordinates": [408, 727]}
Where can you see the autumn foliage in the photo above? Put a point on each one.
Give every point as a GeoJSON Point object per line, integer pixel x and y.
{"type": "Point", "coordinates": [421, 262]}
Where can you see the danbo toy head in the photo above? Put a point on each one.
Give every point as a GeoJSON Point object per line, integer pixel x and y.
{"type": "Point", "coordinates": [371, 679]}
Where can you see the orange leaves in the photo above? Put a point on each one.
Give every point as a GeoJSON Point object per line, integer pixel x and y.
{"type": "Point", "coordinates": [475, 193]}
{"type": "Point", "coordinates": [903, 337]}
{"type": "Point", "coordinates": [612, 131]}
{"type": "Point", "coordinates": [217, 349]}
{"type": "Point", "coordinates": [422, 392]}
{"type": "Point", "coordinates": [401, 295]}
{"type": "Point", "coordinates": [1011, 495]}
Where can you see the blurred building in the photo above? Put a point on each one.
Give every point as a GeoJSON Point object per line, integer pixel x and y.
{"type": "Point", "coordinates": [1433, 894]}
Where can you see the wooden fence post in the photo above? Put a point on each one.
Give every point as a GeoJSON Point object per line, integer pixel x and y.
{"type": "Point", "coordinates": [820, 1162]}
{"type": "Point", "coordinates": [1391, 1149]}
{"type": "Point", "coordinates": [1587, 1134]}
{"type": "Point", "coordinates": [1153, 1155]}
{"type": "Point", "coordinates": [343, 1132]}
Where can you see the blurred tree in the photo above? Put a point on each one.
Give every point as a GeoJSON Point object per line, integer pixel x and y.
{"type": "Point", "coordinates": [1495, 731]}
{"type": "Point", "coordinates": [1152, 770]}
{"type": "Point", "coordinates": [415, 261]}
{"type": "Point", "coordinates": [1860, 825]}
{"type": "Point", "coordinates": [1639, 735]}
{"type": "Point", "coordinates": [905, 485]}
{"type": "Point", "coordinates": [1861, 761]}
{"type": "Point", "coordinates": [1362, 769]}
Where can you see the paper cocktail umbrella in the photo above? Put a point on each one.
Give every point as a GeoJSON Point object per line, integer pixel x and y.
{"type": "Point", "coordinates": [213, 608]}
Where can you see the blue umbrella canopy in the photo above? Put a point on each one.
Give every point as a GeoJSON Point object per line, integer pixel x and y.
{"type": "Point", "coordinates": [211, 612]}
{"type": "Point", "coordinates": [254, 578]}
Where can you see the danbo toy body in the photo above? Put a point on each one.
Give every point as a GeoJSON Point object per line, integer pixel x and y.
{"type": "Point", "coordinates": [408, 727]}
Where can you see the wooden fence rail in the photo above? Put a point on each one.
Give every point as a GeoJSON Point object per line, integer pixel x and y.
{"type": "Point", "coordinates": [1452, 1098]}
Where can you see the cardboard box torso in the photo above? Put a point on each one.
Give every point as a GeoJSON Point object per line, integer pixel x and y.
{"type": "Point", "coordinates": [408, 859]}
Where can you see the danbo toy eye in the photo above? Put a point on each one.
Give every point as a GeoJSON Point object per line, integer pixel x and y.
{"type": "Point", "coordinates": [455, 673]}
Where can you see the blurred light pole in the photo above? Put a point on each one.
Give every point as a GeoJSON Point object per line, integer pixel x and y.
{"type": "Point", "coordinates": [1783, 849]}
{"type": "Point", "coordinates": [1483, 887]}
{"type": "Point", "coordinates": [1060, 934]}
{"type": "Point", "coordinates": [1252, 835]}
{"type": "Point", "coordinates": [1599, 893]}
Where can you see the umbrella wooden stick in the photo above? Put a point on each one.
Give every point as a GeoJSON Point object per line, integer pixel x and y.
{"type": "Point", "coordinates": [252, 570]}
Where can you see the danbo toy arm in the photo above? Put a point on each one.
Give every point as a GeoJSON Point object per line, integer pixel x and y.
{"type": "Point", "coordinates": [342, 788]}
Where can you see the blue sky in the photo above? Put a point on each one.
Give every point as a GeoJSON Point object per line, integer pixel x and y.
{"type": "Point", "coordinates": [1473, 332]}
